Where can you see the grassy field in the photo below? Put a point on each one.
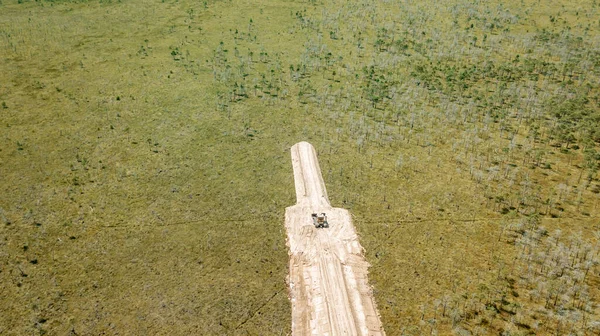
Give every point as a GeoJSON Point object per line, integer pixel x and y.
{"type": "Point", "coordinates": [145, 165]}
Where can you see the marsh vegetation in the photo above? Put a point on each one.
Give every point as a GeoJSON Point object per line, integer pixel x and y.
{"type": "Point", "coordinates": [144, 161]}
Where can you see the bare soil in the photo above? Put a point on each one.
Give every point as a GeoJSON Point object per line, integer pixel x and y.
{"type": "Point", "coordinates": [328, 281]}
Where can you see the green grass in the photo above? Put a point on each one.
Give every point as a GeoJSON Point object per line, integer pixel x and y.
{"type": "Point", "coordinates": [144, 155]}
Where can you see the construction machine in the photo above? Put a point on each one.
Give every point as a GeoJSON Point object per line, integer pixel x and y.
{"type": "Point", "coordinates": [320, 220]}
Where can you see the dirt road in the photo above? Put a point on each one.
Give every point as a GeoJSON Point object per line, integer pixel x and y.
{"type": "Point", "coordinates": [328, 282]}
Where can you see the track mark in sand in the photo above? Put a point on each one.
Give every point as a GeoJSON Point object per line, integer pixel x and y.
{"type": "Point", "coordinates": [329, 289]}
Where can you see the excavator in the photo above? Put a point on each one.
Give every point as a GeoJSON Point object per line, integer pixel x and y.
{"type": "Point", "coordinates": [320, 220]}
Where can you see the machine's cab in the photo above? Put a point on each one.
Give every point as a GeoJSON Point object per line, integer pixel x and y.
{"type": "Point", "coordinates": [320, 220]}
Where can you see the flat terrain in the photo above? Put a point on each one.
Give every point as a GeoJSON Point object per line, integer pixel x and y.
{"type": "Point", "coordinates": [328, 281]}
{"type": "Point", "coordinates": [145, 161]}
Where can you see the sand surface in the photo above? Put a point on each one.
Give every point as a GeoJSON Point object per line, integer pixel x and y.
{"type": "Point", "coordinates": [328, 282]}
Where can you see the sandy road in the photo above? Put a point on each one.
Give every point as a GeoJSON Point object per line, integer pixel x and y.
{"type": "Point", "coordinates": [328, 282]}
